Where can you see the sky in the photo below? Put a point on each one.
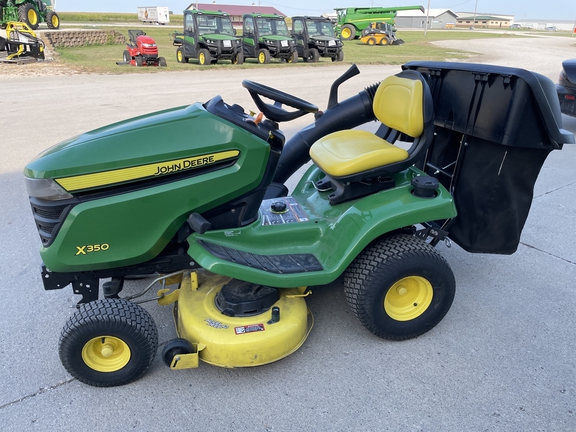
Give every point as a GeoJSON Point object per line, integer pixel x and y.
{"type": "Point", "coordinates": [521, 9]}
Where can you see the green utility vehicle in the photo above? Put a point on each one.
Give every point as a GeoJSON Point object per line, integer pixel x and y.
{"type": "Point", "coordinates": [30, 12]}
{"type": "Point", "coordinates": [351, 21]}
{"type": "Point", "coordinates": [315, 38]}
{"type": "Point", "coordinates": [209, 37]}
{"type": "Point", "coordinates": [266, 36]}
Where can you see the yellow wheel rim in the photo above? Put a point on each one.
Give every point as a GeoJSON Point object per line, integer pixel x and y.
{"type": "Point", "coordinates": [346, 33]}
{"type": "Point", "coordinates": [202, 59]}
{"type": "Point", "coordinates": [55, 21]}
{"type": "Point", "coordinates": [408, 298]}
{"type": "Point", "coordinates": [261, 57]}
{"type": "Point", "coordinates": [371, 41]}
{"type": "Point", "coordinates": [32, 17]}
{"type": "Point", "coordinates": [106, 354]}
{"type": "Point", "coordinates": [180, 56]}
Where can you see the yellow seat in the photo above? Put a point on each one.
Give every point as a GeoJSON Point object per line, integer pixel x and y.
{"type": "Point", "coordinates": [403, 104]}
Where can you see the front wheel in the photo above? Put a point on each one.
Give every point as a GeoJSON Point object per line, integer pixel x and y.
{"type": "Point", "coordinates": [371, 41]}
{"type": "Point", "coordinates": [399, 287]}
{"type": "Point", "coordinates": [348, 32]}
{"type": "Point", "coordinates": [52, 20]}
{"type": "Point", "coordinates": [263, 56]}
{"type": "Point", "coordinates": [108, 342]}
{"type": "Point", "coordinates": [313, 55]}
{"type": "Point", "coordinates": [126, 56]}
{"type": "Point", "coordinates": [238, 59]}
{"type": "Point", "coordinates": [204, 57]}
{"type": "Point", "coordinates": [162, 62]}
{"type": "Point", "coordinates": [139, 60]}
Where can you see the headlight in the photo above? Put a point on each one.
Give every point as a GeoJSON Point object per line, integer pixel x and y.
{"type": "Point", "coordinates": [145, 45]}
{"type": "Point", "coordinates": [270, 42]}
{"type": "Point", "coordinates": [46, 189]}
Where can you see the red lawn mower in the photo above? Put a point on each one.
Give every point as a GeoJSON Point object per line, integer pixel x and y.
{"type": "Point", "coordinates": [142, 50]}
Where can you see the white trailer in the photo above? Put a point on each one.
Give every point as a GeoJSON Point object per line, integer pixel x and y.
{"type": "Point", "coordinates": [154, 14]}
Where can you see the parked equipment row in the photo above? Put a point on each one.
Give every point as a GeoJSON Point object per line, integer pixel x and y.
{"type": "Point", "coordinates": [209, 36]}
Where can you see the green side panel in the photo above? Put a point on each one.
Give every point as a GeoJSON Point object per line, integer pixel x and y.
{"type": "Point", "coordinates": [335, 235]}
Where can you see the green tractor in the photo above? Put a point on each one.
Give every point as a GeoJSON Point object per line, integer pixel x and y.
{"type": "Point", "coordinates": [209, 37]}
{"type": "Point", "coordinates": [30, 12]}
{"type": "Point", "coordinates": [266, 36]}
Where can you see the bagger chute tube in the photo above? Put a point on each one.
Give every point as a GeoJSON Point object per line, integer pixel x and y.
{"type": "Point", "coordinates": [208, 214]}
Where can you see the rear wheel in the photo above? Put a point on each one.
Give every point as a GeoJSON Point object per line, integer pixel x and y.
{"type": "Point", "coordinates": [263, 56]}
{"type": "Point", "coordinates": [52, 20]}
{"type": "Point", "coordinates": [385, 41]}
{"type": "Point", "coordinates": [348, 32]}
{"type": "Point", "coordinates": [204, 57]}
{"type": "Point", "coordinates": [400, 287]}
{"type": "Point", "coordinates": [313, 56]}
{"type": "Point", "coordinates": [28, 15]}
{"type": "Point", "coordinates": [108, 342]}
{"type": "Point", "coordinates": [180, 56]}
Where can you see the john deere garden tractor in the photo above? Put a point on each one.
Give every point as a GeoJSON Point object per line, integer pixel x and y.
{"type": "Point", "coordinates": [30, 12]}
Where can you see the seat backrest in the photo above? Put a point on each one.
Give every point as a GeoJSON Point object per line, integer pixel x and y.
{"type": "Point", "coordinates": [404, 105]}
{"type": "Point", "coordinates": [398, 104]}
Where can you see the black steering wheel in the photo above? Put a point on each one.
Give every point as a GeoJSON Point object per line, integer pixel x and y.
{"type": "Point", "coordinates": [275, 112]}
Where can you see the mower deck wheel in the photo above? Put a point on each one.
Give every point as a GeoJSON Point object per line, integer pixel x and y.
{"type": "Point", "coordinates": [399, 287]}
{"type": "Point", "coordinates": [174, 348]}
{"type": "Point", "coordinates": [108, 342]}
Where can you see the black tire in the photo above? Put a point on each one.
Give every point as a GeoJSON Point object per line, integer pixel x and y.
{"type": "Point", "coordinates": [204, 57]}
{"type": "Point", "coordinates": [385, 41]}
{"type": "Point", "coordinates": [174, 348]}
{"type": "Point", "coordinates": [371, 41]}
{"type": "Point", "coordinates": [348, 32]}
{"type": "Point", "coordinates": [108, 342]}
{"type": "Point", "coordinates": [180, 57]}
{"type": "Point", "coordinates": [28, 15]}
{"type": "Point", "coordinates": [52, 20]}
{"type": "Point", "coordinates": [263, 56]}
{"type": "Point", "coordinates": [238, 59]}
{"type": "Point", "coordinates": [293, 57]}
{"type": "Point", "coordinates": [313, 56]}
{"type": "Point", "coordinates": [126, 56]}
{"type": "Point", "coordinates": [139, 60]}
{"type": "Point", "coordinates": [162, 62]}
{"type": "Point", "coordinates": [338, 57]}
{"type": "Point", "coordinates": [399, 287]}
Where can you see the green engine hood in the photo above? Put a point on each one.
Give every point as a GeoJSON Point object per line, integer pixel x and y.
{"type": "Point", "coordinates": [170, 135]}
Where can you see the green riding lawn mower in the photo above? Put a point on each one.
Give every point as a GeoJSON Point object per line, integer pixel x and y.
{"type": "Point", "coordinates": [207, 212]}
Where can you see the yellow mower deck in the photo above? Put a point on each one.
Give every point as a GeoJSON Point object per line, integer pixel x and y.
{"type": "Point", "coordinates": [227, 341]}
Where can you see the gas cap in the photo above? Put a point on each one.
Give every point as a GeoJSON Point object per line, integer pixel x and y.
{"type": "Point", "coordinates": [278, 207]}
